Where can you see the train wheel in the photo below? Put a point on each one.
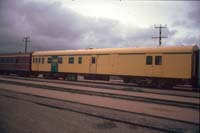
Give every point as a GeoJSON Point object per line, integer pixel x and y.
{"type": "Point", "coordinates": [72, 77]}
{"type": "Point", "coordinates": [46, 76]}
{"type": "Point", "coordinates": [163, 84]}
{"type": "Point", "coordinates": [126, 80]}
{"type": "Point", "coordinates": [35, 75]}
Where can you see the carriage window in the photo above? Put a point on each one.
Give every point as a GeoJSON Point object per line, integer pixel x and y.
{"type": "Point", "coordinates": [149, 60]}
{"type": "Point", "coordinates": [49, 60]}
{"type": "Point", "coordinates": [60, 60]}
{"type": "Point", "coordinates": [13, 60]}
{"type": "Point", "coordinates": [4, 60]}
{"type": "Point", "coordinates": [79, 60]}
{"type": "Point", "coordinates": [8, 60]}
{"type": "Point", "coordinates": [17, 60]}
{"type": "Point", "coordinates": [93, 60]}
{"type": "Point", "coordinates": [71, 60]}
{"type": "Point", "coordinates": [1, 60]}
{"type": "Point", "coordinates": [158, 60]}
{"type": "Point", "coordinates": [33, 60]}
{"type": "Point", "coordinates": [36, 59]}
{"type": "Point", "coordinates": [42, 60]}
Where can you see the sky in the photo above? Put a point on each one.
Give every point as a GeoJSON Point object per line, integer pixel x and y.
{"type": "Point", "coordinates": [82, 24]}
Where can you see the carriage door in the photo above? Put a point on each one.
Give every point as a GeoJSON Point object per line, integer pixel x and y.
{"type": "Point", "coordinates": [93, 64]}
{"type": "Point", "coordinates": [158, 65]}
{"type": "Point", "coordinates": [54, 64]}
{"type": "Point", "coordinates": [149, 65]}
{"type": "Point", "coordinates": [36, 65]}
{"type": "Point", "coordinates": [154, 65]}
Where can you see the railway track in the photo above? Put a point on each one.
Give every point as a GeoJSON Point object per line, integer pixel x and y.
{"type": "Point", "coordinates": [38, 84]}
{"type": "Point", "coordinates": [163, 124]}
{"type": "Point", "coordinates": [113, 86]}
{"type": "Point", "coordinates": [162, 128]}
{"type": "Point", "coordinates": [157, 125]}
{"type": "Point", "coordinates": [175, 88]}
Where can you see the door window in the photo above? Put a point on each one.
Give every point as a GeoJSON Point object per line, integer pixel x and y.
{"type": "Point", "coordinates": [93, 60]}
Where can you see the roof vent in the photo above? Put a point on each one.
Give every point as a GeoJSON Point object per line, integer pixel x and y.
{"type": "Point", "coordinates": [89, 48]}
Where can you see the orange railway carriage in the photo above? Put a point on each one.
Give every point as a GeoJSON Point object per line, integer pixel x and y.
{"type": "Point", "coordinates": [154, 66]}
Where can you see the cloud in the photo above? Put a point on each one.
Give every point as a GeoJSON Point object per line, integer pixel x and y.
{"type": "Point", "coordinates": [52, 27]}
{"type": "Point", "coordinates": [194, 15]}
{"type": "Point", "coordinates": [192, 19]}
{"type": "Point", "coordinates": [189, 25]}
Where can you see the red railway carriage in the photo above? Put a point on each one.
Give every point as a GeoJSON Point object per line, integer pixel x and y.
{"type": "Point", "coordinates": [18, 63]}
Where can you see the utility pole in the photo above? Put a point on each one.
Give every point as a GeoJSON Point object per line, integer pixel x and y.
{"type": "Point", "coordinates": [160, 33]}
{"type": "Point", "coordinates": [26, 40]}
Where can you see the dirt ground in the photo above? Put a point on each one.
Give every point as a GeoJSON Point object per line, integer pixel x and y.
{"type": "Point", "coordinates": [22, 113]}
{"type": "Point", "coordinates": [159, 110]}
{"type": "Point", "coordinates": [21, 116]}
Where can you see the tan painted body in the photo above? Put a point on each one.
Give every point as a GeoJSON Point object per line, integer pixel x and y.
{"type": "Point", "coordinates": [176, 61]}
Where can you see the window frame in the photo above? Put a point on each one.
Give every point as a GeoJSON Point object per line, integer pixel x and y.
{"type": "Point", "coordinates": [60, 60]}
{"type": "Point", "coordinates": [158, 60]}
{"type": "Point", "coordinates": [49, 60]}
{"type": "Point", "coordinates": [3, 60]}
{"type": "Point", "coordinates": [93, 60]}
{"type": "Point", "coordinates": [70, 60]}
{"type": "Point", "coordinates": [149, 60]}
{"type": "Point", "coordinates": [42, 60]}
{"type": "Point", "coordinates": [79, 60]}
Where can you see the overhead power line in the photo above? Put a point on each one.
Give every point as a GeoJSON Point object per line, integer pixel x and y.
{"type": "Point", "coordinates": [26, 40]}
{"type": "Point", "coordinates": [160, 33]}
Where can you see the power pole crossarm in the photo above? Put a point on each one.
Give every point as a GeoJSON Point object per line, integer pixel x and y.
{"type": "Point", "coordinates": [26, 40]}
{"type": "Point", "coordinates": [160, 33]}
